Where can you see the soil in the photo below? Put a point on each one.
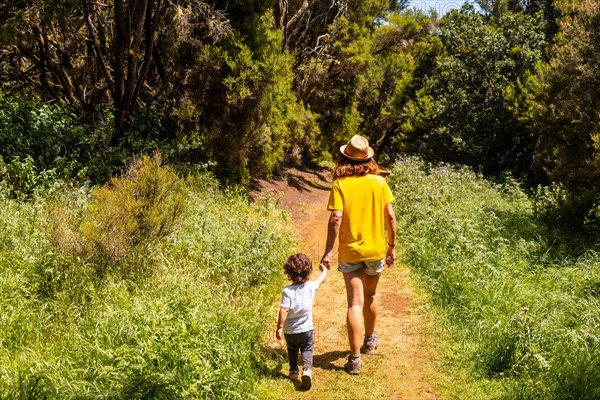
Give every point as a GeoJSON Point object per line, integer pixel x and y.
{"type": "Point", "coordinates": [405, 366]}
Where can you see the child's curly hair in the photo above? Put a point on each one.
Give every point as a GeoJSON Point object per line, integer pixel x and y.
{"type": "Point", "coordinates": [297, 268]}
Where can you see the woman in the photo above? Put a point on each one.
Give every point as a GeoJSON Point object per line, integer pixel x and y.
{"type": "Point", "coordinates": [360, 205]}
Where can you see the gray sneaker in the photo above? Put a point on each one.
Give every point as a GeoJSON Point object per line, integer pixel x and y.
{"type": "Point", "coordinates": [353, 366]}
{"type": "Point", "coordinates": [294, 375]}
{"type": "Point", "coordinates": [307, 379]}
{"type": "Point", "coordinates": [370, 344]}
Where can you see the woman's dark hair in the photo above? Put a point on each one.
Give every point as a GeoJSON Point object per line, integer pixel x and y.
{"type": "Point", "coordinates": [297, 268]}
{"type": "Point", "coordinates": [348, 167]}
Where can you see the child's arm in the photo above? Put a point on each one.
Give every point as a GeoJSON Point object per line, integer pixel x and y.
{"type": "Point", "coordinates": [321, 277]}
{"type": "Point", "coordinates": [283, 312]}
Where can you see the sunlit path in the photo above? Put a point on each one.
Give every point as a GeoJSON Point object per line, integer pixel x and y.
{"type": "Point", "coordinates": [404, 366]}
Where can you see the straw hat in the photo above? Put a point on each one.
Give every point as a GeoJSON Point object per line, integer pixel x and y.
{"type": "Point", "coordinates": [357, 149]}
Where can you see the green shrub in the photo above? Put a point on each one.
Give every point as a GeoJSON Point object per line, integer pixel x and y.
{"type": "Point", "coordinates": [126, 216]}
{"type": "Point", "coordinates": [22, 180]}
{"type": "Point", "coordinates": [241, 110]}
{"type": "Point", "coordinates": [561, 208]}
{"type": "Point", "coordinates": [58, 144]}
{"type": "Point", "coordinates": [47, 133]}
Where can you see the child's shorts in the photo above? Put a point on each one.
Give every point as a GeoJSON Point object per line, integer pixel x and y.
{"type": "Point", "coordinates": [371, 268]}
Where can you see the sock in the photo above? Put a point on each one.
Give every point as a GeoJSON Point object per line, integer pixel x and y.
{"type": "Point", "coordinates": [355, 356]}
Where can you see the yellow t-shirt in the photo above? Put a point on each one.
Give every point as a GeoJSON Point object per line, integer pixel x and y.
{"type": "Point", "coordinates": [362, 200]}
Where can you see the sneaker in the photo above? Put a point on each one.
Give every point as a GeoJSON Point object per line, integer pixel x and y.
{"type": "Point", "coordinates": [294, 375]}
{"type": "Point", "coordinates": [353, 366]}
{"type": "Point", "coordinates": [370, 344]}
{"type": "Point", "coordinates": [307, 379]}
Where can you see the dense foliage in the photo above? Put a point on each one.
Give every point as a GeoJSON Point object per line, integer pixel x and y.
{"type": "Point", "coordinates": [249, 87]}
{"type": "Point", "coordinates": [521, 301]}
{"type": "Point", "coordinates": [466, 110]}
{"type": "Point", "coordinates": [178, 314]}
{"type": "Point", "coordinates": [565, 116]}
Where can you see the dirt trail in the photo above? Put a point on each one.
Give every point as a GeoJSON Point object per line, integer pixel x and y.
{"type": "Point", "coordinates": [404, 366]}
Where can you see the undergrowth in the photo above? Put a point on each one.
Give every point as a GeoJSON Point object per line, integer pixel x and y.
{"type": "Point", "coordinates": [523, 301]}
{"type": "Point", "coordinates": [179, 317]}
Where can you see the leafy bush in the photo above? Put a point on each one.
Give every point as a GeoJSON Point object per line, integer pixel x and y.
{"type": "Point", "coordinates": [22, 180]}
{"type": "Point", "coordinates": [126, 216]}
{"type": "Point", "coordinates": [239, 108]}
{"type": "Point", "coordinates": [48, 134]}
{"type": "Point", "coordinates": [522, 299]}
{"type": "Point", "coordinates": [568, 210]}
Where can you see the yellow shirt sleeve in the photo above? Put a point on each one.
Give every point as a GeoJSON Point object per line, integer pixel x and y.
{"type": "Point", "coordinates": [335, 197]}
{"type": "Point", "coordinates": [388, 197]}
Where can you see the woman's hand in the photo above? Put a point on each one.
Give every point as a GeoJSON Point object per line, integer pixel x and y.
{"type": "Point", "coordinates": [390, 257]}
{"type": "Point", "coordinates": [333, 229]}
{"type": "Point", "coordinates": [278, 334]}
{"type": "Point", "coordinates": [325, 261]}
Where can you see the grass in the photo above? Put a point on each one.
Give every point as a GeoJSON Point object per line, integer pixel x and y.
{"type": "Point", "coordinates": [522, 303]}
{"type": "Point", "coordinates": [186, 325]}
{"type": "Point", "coordinates": [186, 316]}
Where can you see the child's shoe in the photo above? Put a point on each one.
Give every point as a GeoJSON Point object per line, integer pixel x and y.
{"type": "Point", "coordinates": [307, 379]}
{"type": "Point", "coordinates": [294, 375]}
{"type": "Point", "coordinates": [370, 344]}
{"type": "Point", "coordinates": [353, 365]}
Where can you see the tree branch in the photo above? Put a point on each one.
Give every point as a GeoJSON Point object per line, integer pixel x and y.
{"type": "Point", "coordinates": [137, 18]}
{"type": "Point", "coordinates": [152, 23]}
{"type": "Point", "coordinates": [96, 45]}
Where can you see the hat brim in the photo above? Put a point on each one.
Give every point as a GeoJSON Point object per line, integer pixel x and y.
{"type": "Point", "coordinates": [348, 156]}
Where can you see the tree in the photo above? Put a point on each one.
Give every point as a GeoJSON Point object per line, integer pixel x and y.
{"type": "Point", "coordinates": [466, 110]}
{"type": "Point", "coordinates": [403, 50]}
{"type": "Point", "coordinates": [207, 81]}
{"type": "Point", "coordinates": [549, 9]}
{"type": "Point", "coordinates": [336, 73]}
{"type": "Point", "coordinates": [242, 110]}
{"type": "Point", "coordinates": [86, 54]}
{"type": "Point", "coordinates": [565, 113]}
{"type": "Point", "coordinates": [497, 8]}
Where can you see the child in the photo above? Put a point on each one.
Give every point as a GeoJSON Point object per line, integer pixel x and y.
{"type": "Point", "coordinates": [295, 314]}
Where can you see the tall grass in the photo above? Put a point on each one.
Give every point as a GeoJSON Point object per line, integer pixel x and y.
{"type": "Point", "coordinates": [187, 325]}
{"type": "Point", "coordinates": [525, 301]}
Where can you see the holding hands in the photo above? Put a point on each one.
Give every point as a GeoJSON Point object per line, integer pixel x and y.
{"type": "Point", "coordinates": [325, 262]}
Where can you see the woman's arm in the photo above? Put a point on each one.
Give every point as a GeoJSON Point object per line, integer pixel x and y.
{"type": "Point", "coordinates": [333, 229]}
{"type": "Point", "coordinates": [390, 220]}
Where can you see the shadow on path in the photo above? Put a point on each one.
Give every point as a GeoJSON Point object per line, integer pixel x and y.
{"type": "Point", "coordinates": [326, 360]}
{"type": "Point", "coordinates": [303, 180]}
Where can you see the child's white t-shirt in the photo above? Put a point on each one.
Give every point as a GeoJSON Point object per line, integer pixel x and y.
{"type": "Point", "coordinates": [299, 300]}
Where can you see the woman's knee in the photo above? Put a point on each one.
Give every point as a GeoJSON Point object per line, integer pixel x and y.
{"type": "Point", "coordinates": [356, 298]}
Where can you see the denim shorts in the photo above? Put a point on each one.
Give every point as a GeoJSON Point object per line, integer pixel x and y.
{"type": "Point", "coordinates": [372, 268]}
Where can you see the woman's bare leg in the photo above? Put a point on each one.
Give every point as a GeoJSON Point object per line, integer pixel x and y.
{"type": "Point", "coordinates": [370, 302]}
{"type": "Point", "coordinates": [355, 296]}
